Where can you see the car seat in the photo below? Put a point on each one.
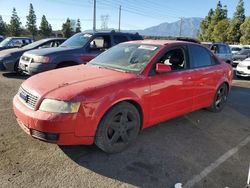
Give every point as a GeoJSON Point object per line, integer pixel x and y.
{"type": "Point", "coordinates": [176, 61]}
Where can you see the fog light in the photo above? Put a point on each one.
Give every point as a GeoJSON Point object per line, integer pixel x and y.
{"type": "Point", "coordinates": [45, 136]}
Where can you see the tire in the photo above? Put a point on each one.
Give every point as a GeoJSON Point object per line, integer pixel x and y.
{"type": "Point", "coordinates": [118, 128]}
{"type": "Point", "coordinates": [220, 99]}
{"type": "Point", "coordinates": [16, 68]}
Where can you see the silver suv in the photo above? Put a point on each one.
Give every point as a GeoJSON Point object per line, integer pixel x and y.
{"type": "Point", "coordinates": [222, 50]}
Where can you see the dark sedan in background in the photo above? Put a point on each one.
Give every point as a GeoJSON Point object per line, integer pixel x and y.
{"type": "Point", "coordinates": [242, 55]}
{"type": "Point", "coordinates": [15, 42]}
{"type": "Point", "coordinates": [10, 58]}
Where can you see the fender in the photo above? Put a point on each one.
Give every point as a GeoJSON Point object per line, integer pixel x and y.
{"type": "Point", "coordinates": [95, 110]}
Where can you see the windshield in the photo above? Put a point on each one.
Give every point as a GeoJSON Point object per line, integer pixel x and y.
{"type": "Point", "coordinates": [77, 41]}
{"type": "Point", "coordinates": [35, 44]}
{"type": "Point", "coordinates": [5, 42]}
{"type": "Point", "coordinates": [236, 49]}
{"type": "Point", "coordinates": [126, 57]}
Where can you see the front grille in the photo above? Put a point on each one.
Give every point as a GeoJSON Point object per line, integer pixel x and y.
{"type": "Point", "coordinates": [27, 97]}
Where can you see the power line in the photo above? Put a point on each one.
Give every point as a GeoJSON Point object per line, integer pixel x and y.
{"type": "Point", "coordinates": [143, 11]}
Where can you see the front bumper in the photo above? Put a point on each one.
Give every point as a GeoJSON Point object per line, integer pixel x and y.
{"type": "Point", "coordinates": [50, 127]}
{"type": "Point", "coordinates": [34, 68]}
{"type": "Point", "coordinates": [243, 71]}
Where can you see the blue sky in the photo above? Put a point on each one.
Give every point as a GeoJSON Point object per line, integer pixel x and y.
{"type": "Point", "coordinates": [136, 14]}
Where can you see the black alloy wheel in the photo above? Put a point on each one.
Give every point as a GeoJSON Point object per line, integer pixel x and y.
{"type": "Point", "coordinates": [118, 128]}
{"type": "Point", "coordinates": [220, 99]}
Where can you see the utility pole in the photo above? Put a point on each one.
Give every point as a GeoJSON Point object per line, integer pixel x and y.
{"type": "Point", "coordinates": [120, 8]}
{"type": "Point", "coordinates": [94, 15]}
{"type": "Point", "coordinates": [181, 26]}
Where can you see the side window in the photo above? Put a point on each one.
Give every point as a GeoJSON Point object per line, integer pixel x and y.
{"type": "Point", "coordinates": [228, 50]}
{"type": "Point", "coordinates": [215, 49]}
{"type": "Point", "coordinates": [100, 43]}
{"type": "Point", "coordinates": [222, 49]}
{"type": "Point", "coordinates": [174, 58]}
{"type": "Point", "coordinates": [119, 39]}
{"type": "Point", "coordinates": [47, 45]}
{"type": "Point", "coordinates": [15, 42]}
{"type": "Point", "coordinates": [201, 57]}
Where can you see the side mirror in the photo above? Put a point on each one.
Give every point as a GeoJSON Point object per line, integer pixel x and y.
{"type": "Point", "coordinates": [162, 68]}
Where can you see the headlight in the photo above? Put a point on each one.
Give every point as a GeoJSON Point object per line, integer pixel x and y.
{"type": "Point", "coordinates": [41, 59]}
{"type": "Point", "coordinates": [51, 105]}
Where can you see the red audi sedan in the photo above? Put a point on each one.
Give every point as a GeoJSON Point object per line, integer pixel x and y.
{"type": "Point", "coordinates": [131, 86]}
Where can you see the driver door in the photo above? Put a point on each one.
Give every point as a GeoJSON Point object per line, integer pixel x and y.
{"type": "Point", "coordinates": [172, 92]}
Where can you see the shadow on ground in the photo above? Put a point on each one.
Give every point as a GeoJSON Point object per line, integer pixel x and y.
{"type": "Point", "coordinates": [15, 75]}
{"type": "Point", "coordinates": [176, 150]}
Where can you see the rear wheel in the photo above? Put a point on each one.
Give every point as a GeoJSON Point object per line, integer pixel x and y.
{"type": "Point", "coordinates": [219, 99]}
{"type": "Point", "coordinates": [118, 128]}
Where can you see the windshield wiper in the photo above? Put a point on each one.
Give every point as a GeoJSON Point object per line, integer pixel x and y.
{"type": "Point", "coordinates": [112, 68]}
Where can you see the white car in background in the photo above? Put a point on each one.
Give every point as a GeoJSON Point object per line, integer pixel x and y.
{"type": "Point", "coordinates": [243, 68]}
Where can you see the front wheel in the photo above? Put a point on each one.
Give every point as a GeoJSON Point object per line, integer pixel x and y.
{"type": "Point", "coordinates": [219, 99]}
{"type": "Point", "coordinates": [118, 128]}
{"type": "Point", "coordinates": [17, 69]}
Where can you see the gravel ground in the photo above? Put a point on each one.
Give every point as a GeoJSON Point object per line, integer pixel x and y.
{"type": "Point", "coordinates": [201, 149]}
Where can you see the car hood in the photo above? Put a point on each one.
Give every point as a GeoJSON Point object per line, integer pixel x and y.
{"type": "Point", "coordinates": [10, 51]}
{"type": "Point", "coordinates": [48, 51]}
{"type": "Point", "coordinates": [246, 62]}
{"type": "Point", "coordinates": [71, 82]}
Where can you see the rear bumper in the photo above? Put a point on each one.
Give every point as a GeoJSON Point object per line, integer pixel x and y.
{"type": "Point", "coordinates": [50, 127]}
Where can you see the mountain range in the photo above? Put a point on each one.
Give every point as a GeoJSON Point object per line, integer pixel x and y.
{"type": "Point", "coordinates": [189, 28]}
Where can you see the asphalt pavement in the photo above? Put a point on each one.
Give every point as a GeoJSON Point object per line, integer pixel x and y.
{"type": "Point", "coordinates": [200, 149]}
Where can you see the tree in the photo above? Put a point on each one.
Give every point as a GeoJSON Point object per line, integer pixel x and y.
{"type": "Point", "coordinates": [203, 34]}
{"type": "Point", "coordinates": [66, 29]}
{"type": "Point", "coordinates": [3, 28]}
{"type": "Point", "coordinates": [234, 33]}
{"type": "Point", "coordinates": [245, 30]}
{"type": "Point", "coordinates": [15, 25]}
{"type": "Point", "coordinates": [45, 28]}
{"type": "Point", "coordinates": [31, 21]}
{"type": "Point", "coordinates": [78, 26]}
{"type": "Point", "coordinates": [220, 13]}
{"type": "Point", "coordinates": [220, 31]}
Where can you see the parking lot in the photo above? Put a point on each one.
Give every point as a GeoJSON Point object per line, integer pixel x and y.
{"type": "Point", "coordinates": [200, 149]}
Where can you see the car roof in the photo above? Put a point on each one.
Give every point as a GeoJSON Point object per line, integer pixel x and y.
{"type": "Point", "coordinates": [160, 42]}
{"type": "Point", "coordinates": [20, 37]}
{"type": "Point", "coordinates": [55, 38]}
{"type": "Point", "coordinates": [110, 32]}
